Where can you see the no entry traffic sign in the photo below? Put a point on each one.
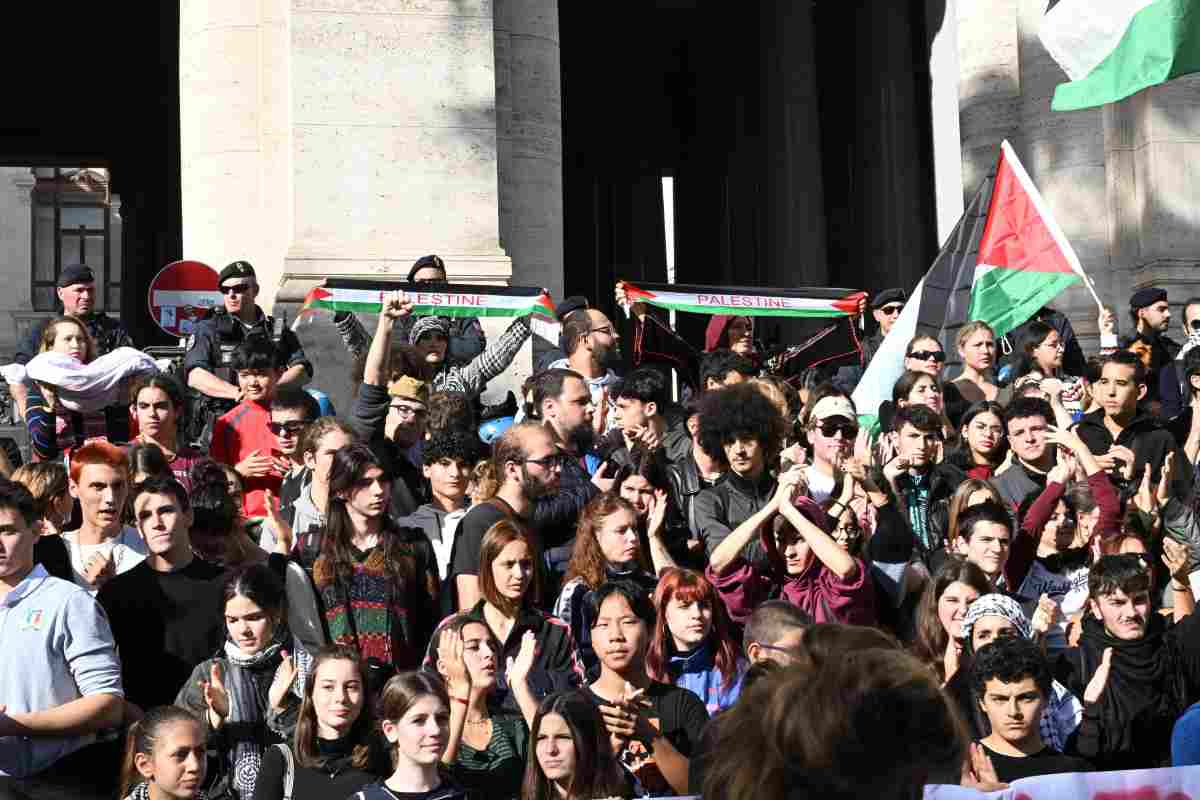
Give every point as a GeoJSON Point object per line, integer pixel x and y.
{"type": "Point", "coordinates": [180, 295]}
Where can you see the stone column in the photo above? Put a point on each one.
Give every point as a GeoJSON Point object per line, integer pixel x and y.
{"type": "Point", "coordinates": [529, 140]}
{"type": "Point", "coordinates": [989, 84]}
{"type": "Point", "coordinates": [794, 209]}
{"type": "Point", "coordinates": [942, 23]}
{"type": "Point", "coordinates": [1151, 148]}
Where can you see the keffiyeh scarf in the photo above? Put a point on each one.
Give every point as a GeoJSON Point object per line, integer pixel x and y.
{"type": "Point", "coordinates": [245, 713]}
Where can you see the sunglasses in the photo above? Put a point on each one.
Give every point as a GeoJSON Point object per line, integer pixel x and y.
{"type": "Point", "coordinates": [237, 288]}
{"type": "Point", "coordinates": [925, 355]}
{"type": "Point", "coordinates": [291, 427]}
{"type": "Point", "coordinates": [1195, 324]}
{"type": "Point", "coordinates": [431, 282]}
{"type": "Point", "coordinates": [830, 429]}
{"type": "Point", "coordinates": [889, 310]}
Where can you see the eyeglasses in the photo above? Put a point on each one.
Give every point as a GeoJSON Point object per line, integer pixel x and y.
{"type": "Point", "coordinates": [925, 355]}
{"type": "Point", "coordinates": [607, 329]}
{"type": "Point", "coordinates": [291, 427]}
{"type": "Point", "coordinates": [237, 288]}
{"type": "Point", "coordinates": [556, 461]}
{"type": "Point", "coordinates": [407, 411]}
{"type": "Point", "coordinates": [1195, 324]}
{"type": "Point", "coordinates": [790, 652]}
{"type": "Point", "coordinates": [830, 429]}
{"type": "Point", "coordinates": [890, 310]}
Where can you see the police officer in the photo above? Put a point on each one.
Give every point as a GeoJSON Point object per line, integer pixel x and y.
{"type": "Point", "coordinates": [885, 308]}
{"type": "Point", "coordinates": [77, 292]}
{"type": "Point", "coordinates": [207, 364]}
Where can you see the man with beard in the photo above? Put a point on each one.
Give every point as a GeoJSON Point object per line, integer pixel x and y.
{"type": "Point", "coordinates": [1136, 676]}
{"type": "Point", "coordinates": [565, 404]}
{"type": "Point", "coordinates": [590, 342]}
{"type": "Point", "coordinates": [389, 411]}
{"type": "Point", "coordinates": [528, 463]}
{"type": "Point", "coordinates": [1151, 316]}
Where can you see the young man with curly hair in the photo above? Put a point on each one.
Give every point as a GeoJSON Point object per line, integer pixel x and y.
{"type": "Point", "coordinates": [741, 427]}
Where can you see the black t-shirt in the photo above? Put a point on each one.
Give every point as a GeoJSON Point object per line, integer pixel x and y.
{"type": "Point", "coordinates": [164, 624]}
{"type": "Point", "coordinates": [471, 529]}
{"type": "Point", "coordinates": [1047, 761]}
{"type": "Point", "coordinates": [680, 716]}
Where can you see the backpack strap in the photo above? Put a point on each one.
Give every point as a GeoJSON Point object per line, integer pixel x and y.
{"type": "Point", "coordinates": [289, 770]}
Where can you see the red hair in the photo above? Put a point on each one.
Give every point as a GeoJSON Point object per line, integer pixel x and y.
{"type": "Point", "coordinates": [97, 452]}
{"type": "Point", "coordinates": [687, 586]}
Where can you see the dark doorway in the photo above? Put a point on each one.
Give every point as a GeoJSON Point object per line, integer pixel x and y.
{"type": "Point", "coordinates": [800, 147]}
{"type": "Point", "coordinates": [97, 85]}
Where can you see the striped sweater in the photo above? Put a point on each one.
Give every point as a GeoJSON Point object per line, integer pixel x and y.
{"type": "Point", "coordinates": [393, 616]}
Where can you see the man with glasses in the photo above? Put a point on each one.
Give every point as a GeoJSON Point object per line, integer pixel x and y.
{"type": "Point", "coordinates": [292, 411]}
{"type": "Point", "coordinates": [208, 363]}
{"type": "Point", "coordinates": [529, 464]}
{"type": "Point", "coordinates": [885, 308]}
{"type": "Point", "coordinates": [590, 342]}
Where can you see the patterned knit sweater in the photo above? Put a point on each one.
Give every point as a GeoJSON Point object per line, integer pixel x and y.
{"type": "Point", "coordinates": [393, 616]}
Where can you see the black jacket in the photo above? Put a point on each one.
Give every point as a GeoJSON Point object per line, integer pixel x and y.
{"type": "Point", "coordinates": [1150, 442]}
{"type": "Point", "coordinates": [944, 479]}
{"type": "Point", "coordinates": [719, 509]}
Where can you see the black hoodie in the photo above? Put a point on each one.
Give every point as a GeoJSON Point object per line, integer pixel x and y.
{"type": "Point", "coordinates": [1150, 442]}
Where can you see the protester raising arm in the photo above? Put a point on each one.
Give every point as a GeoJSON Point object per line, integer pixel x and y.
{"type": "Point", "coordinates": [835, 559]}
{"type": "Point", "coordinates": [728, 552]}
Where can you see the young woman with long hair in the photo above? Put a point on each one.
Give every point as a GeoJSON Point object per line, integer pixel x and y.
{"type": "Point", "coordinates": [976, 343]}
{"type": "Point", "coordinates": [414, 714]}
{"type": "Point", "coordinates": [921, 388]}
{"type": "Point", "coordinates": [156, 402]}
{"type": "Point", "coordinates": [925, 354]}
{"type": "Point", "coordinates": [485, 752]}
{"type": "Point", "coordinates": [654, 726]}
{"type": "Point", "coordinates": [607, 547]}
{"type": "Point", "coordinates": [245, 693]}
{"type": "Point", "coordinates": [369, 564]}
{"type": "Point", "coordinates": [330, 754]}
{"type": "Point", "coordinates": [53, 429]}
{"type": "Point", "coordinates": [510, 585]}
{"type": "Point", "coordinates": [693, 645]}
{"type": "Point", "coordinates": [646, 484]}
{"type": "Point", "coordinates": [982, 442]}
{"type": "Point", "coordinates": [164, 756]}
{"type": "Point", "coordinates": [572, 757]}
{"type": "Point", "coordinates": [943, 607]}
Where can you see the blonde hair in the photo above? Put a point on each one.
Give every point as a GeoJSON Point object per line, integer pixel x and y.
{"type": "Point", "coordinates": [969, 330]}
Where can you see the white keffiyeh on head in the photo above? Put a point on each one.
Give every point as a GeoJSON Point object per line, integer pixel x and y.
{"type": "Point", "coordinates": [996, 605]}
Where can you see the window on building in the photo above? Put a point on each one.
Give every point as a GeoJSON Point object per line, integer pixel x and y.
{"type": "Point", "coordinates": [76, 220]}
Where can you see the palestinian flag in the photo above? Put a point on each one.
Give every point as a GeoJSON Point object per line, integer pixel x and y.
{"type": "Point", "coordinates": [448, 300]}
{"type": "Point", "coordinates": [1006, 258]}
{"type": "Point", "coordinates": [1111, 49]}
{"type": "Point", "coordinates": [747, 302]}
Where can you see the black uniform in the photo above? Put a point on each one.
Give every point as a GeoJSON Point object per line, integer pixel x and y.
{"type": "Point", "coordinates": [210, 347]}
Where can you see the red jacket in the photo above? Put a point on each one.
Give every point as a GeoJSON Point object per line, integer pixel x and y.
{"type": "Point", "coordinates": [236, 435]}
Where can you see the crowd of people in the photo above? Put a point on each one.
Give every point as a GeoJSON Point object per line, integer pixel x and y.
{"type": "Point", "coordinates": [214, 586]}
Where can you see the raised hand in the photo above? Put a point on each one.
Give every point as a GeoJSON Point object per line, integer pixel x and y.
{"type": "Point", "coordinates": [1144, 499]}
{"type": "Point", "coordinates": [1064, 437]}
{"type": "Point", "coordinates": [451, 662]}
{"type": "Point", "coordinates": [1163, 493]}
{"type": "Point", "coordinates": [281, 684]}
{"type": "Point", "coordinates": [1127, 458]}
{"type": "Point", "coordinates": [862, 447]}
{"type": "Point", "coordinates": [255, 465]}
{"type": "Point", "coordinates": [395, 305]}
{"type": "Point", "coordinates": [600, 414]}
{"type": "Point", "coordinates": [1177, 558]}
{"type": "Point", "coordinates": [285, 538]}
{"type": "Point", "coordinates": [1045, 616]}
{"type": "Point", "coordinates": [893, 469]}
{"type": "Point", "coordinates": [215, 696]}
{"type": "Point", "coordinates": [99, 568]}
{"type": "Point", "coordinates": [1099, 680]}
{"type": "Point", "coordinates": [601, 479]}
{"type": "Point", "coordinates": [658, 514]}
{"type": "Point", "coordinates": [649, 439]}
{"type": "Point", "coordinates": [519, 667]}
{"type": "Point", "coordinates": [979, 772]}
{"type": "Point", "coordinates": [1107, 322]}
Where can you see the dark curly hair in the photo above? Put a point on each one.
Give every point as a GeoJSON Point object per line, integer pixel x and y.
{"type": "Point", "coordinates": [454, 444]}
{"type": "Point", "coordinates": [450, 411]}
{"type": "Point", "coordinates": [1010, 659]}
{"type": "Point", "coordinates": [740, 412]}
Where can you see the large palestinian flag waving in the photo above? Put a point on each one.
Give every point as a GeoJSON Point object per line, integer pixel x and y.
{"type": "Point", "coordinates": [1006, 258]}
